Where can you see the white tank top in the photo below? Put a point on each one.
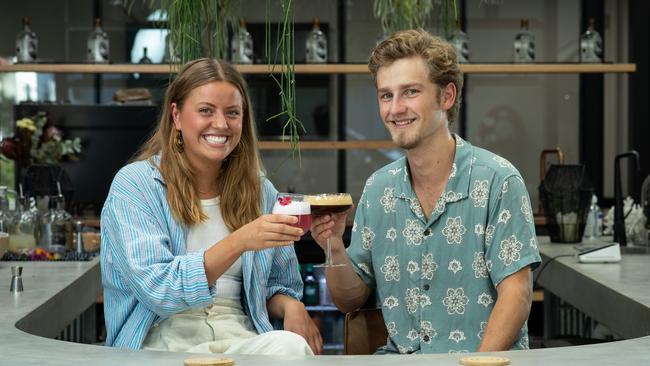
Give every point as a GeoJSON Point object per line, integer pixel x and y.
{"type": "Point", "coordinates": [208, 233]}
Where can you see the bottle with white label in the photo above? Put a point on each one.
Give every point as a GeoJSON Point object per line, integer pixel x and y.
{"type": "Point", "coordinates": [26, 43]}
{"type": "Point", "coordinates": [241, 46]}
{"type": "Point", "coordinates": [97, 44]}
{"type": "Point", "coordinates": [591, 44]}
{"type": "Point", "coordinates": [316, 45]}
{"type": "Point", "coordinates": [460, 41]}
{"type": "Point", "coordinates": [524, 44]}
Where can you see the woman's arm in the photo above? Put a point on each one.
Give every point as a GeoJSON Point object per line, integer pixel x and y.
{"type": "Point", "coordinates": [140, 261]}
{"type": "Point", "coordinates": [296, 319]}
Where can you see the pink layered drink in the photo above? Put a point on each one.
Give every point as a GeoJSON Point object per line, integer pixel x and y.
{"type": "Point", "coordinates": [300, 209]}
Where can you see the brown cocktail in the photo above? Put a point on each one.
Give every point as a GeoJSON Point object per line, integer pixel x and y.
{"type": "Point", "coordinates": [324, 204]}
{"type": "Point", "coordinates": [329, 203]}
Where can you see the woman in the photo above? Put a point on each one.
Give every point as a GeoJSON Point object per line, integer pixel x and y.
{"type": "Point", "coordinates": [189, 263]}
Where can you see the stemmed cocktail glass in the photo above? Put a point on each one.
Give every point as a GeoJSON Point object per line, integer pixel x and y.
{"type": "Point", "coordinates": [329, 203]}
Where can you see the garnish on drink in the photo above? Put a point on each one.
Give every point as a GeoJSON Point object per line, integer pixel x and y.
{"type": "Point", "coordinates": [295, 205]}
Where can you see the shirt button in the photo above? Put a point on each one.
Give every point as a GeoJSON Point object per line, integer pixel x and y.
{"type": "Point", "coordinates": [426, 338]}
{"type": "Point", "coordinates": [426, 287]}
{"type": "Point", "coordinates": [427, 232]}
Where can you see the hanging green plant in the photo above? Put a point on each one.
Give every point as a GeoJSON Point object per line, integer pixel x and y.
{"type": "Point", "coordinates": [395, 15]}
{"type": "Point", "coordinates": [284, 58]}
{"type": "Point", "coordinates": [199, 28]}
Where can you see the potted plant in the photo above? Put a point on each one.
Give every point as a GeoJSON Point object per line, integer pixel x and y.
{"type": "Point", "coordinates": [38, 149]}
{"type": "Point", "coordinates": [395, 15]}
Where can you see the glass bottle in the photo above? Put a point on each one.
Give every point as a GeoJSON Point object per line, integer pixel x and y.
{"type": "Point", "coordinates": [62, 228]}
{"type": "Point", "coordinates": [591, 226]}
{"type": "Point", "coordinates": [524, 45]}
{"type": "Point", "coordinates": [316, 45]}
{"type": "Point", "coordinates": [324, 296]}
{"type": "Point", "coordinates": [460, 41]}
{"type": "Point", "coordinates": [591, 44]}
{"type": "Point", "coordinates": [98, 45]}
{"type": "Point", "coordinates": [170, 53]}
{"type": "Point", "coordinates": [5, 217]}
{"type": "Point", "coordinates": [26, 43]}
{"type": "Point", "coordinates": [241, 45]}
{"type": "Point", "coordinates": [145, 59]}
{"type": "Point", "coordinates": [44, 237]}
{"type": "Point", "coordinates": [311, 294]}
{"type": "Point", "coordinates": [23, 236]}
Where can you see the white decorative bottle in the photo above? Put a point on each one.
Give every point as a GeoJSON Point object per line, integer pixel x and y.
{"type": "Point", "coordinates": [460, 41]}
{"type": "Point", "coordinates": [591, 45]}
{"type": "Point", "coordinates": [241, 46]}
{"type": "Point", "coordinates": [26, 43]}
{"type": "Point", "coordinates": [98, 46]}
{"type": "Point", "coordinates": [316, 45]}
{"type": "Point", "coordinates": [524, 45]}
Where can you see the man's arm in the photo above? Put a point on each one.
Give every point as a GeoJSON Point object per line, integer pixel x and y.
{"type": "Point", "coordinates": [348, 290]}
{"type": "Point", "coordinates": [510, 312]}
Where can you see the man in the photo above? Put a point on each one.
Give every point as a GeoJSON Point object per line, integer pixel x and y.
{"type": "Point", "coordinates": [444, 235]}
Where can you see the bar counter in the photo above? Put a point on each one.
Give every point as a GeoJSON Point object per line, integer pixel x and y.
{"type": "Point", "coordinates": [57, 292]}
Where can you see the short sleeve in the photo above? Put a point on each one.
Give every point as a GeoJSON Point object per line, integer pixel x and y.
{"type": "Point", "coordinates": [510, 238]}
{"type": "Point", "coordinates": [359, 251]}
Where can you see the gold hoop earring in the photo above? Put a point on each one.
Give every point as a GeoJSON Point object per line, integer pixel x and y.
{"type": "Point", "coordinates": [179, 142]}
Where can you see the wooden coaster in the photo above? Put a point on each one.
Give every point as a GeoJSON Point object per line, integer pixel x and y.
{"type": "Point", "coordinates": [209, 362]}
{"type": "Point", "coordinates": [484, 361]}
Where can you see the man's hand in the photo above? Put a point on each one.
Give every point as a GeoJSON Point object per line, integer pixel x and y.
{"type": "Point", "coordinates": [330, 226]}
{"type": "Point", "coordinates": [297, 320]}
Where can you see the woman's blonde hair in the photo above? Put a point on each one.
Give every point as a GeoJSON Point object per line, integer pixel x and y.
{"type": "Point", "coordinates": [439, 55]}
{"type": "Point", "coordinates": [239, 183]}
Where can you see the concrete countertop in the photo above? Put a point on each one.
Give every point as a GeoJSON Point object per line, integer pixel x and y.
{"type": "Point", "coordinates": [55, 293]}
{"type": "Point", "coordinates": [615, 294]}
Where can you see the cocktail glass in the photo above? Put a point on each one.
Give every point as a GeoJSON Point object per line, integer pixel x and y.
{"type": "Point", "coordinates": [329, 203]}
{"type": "Point", "coordinates": [295, 205]}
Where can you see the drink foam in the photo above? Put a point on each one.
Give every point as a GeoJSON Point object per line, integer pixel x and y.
{"type": "Point", "coordinates": [293, 208]}
{"type": "Point", "coordinates": [330, 199]}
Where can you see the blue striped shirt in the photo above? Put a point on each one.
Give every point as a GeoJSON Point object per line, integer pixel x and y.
{"type": "Point", "coordinates": [147, 273]}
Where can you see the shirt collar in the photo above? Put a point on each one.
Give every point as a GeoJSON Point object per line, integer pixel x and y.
{"type": "Point", "coordinates": [458, 183]}
{"type": "Point", "coordinates": [154, 164]}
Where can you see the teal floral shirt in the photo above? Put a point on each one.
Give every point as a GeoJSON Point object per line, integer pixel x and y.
{"type": "Point", "coordinates": [436, 279]}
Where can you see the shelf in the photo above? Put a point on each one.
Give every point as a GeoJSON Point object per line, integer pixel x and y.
{"type": "Point", "coordinates": [329, 145]}
{"type": "Point", "coordinates": [549, 68]}
{"type": "Point", "coordinates": [546, 68]}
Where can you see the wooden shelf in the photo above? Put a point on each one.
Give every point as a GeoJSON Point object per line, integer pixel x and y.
{"type": "Point", "coordinates": [550, 68]}
{"type": "Point", "coordinates": [329, 145]}
{"type": "Point", "coordinates": [546, 68]}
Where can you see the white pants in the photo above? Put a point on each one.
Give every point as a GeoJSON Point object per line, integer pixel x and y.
{"type": "Point", "coordinates": [222, 327]}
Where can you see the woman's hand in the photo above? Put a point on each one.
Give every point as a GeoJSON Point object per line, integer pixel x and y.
{"type": "Point", "coordinates": [297, 320]}
{"type": "Point", "coordinates": [267, 231]}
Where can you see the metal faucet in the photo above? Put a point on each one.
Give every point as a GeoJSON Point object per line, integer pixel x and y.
{"type": "Point", "coordinates": [619, 217]}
